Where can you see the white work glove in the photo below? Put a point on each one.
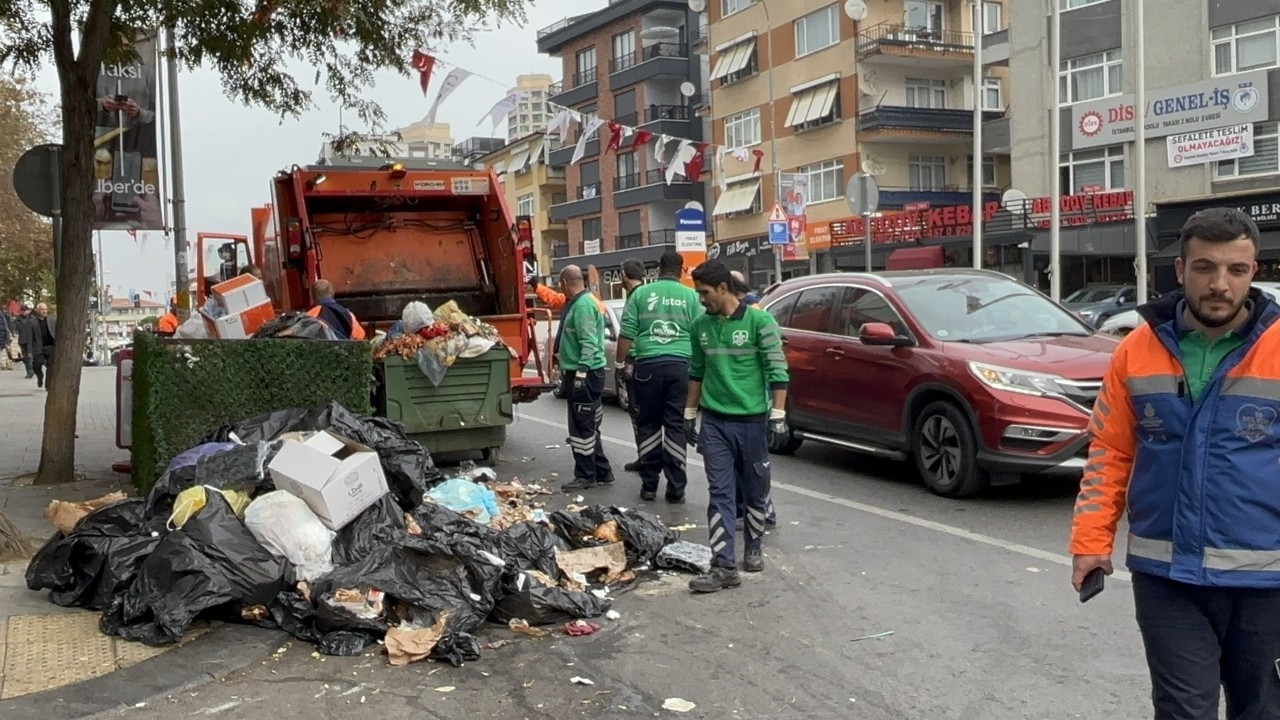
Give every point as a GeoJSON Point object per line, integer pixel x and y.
{"type": "Point", "coordinates": [778, 421]}
{"type": "Point", "coordinates": [691, 426]}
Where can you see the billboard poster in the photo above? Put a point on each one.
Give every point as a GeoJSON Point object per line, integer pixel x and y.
{"type": "Point", "coordinates": [126, 184]}
{"type": "Point", "coordinates": [1208, 146]}
{"type": "Point", "coordinates": [795, 201]}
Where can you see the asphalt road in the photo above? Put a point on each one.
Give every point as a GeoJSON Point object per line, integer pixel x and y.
{"type": "Point", "coordinates": [975, 593]}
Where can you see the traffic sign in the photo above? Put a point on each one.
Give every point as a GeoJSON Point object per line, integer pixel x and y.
{"type": "Point", "coordinates": [777, 215]}
{"type": "Point", "coordinates": [863, 194]}
{"type": "Point", "coordinates": [778, 234]}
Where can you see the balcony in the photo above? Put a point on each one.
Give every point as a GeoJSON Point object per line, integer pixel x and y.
{"type": "Point", "coordinates": [586, 202]}
{"type": "Point", "coordinates": [663, 59]}
{"type": "Point", "coordinates": [895, 197]}
{"type": "Point", "coordinates": [915, 47]}
{"type": "Point", "coordinates": [698, 36]}
{"type": "Point", "coordinates": [895, 124]}
{"type": "Point", "coordinates": [562, 156]}
{"type": "Point", "coordinates": [701, 103]}
{"type": "Point", "coordinates": [663, 237]}
{"type": "Point", "coordinates": [652, 187]}
{"type": "Point", "coordinates": [671, 120]}
{"type": "Point", "coordinates": [582, 87]}
{"type": "Point", "coordinates": [560, 248]}
{"type": "Point", "coordinates": [995, 48]}
{"type": "Point", "coordinates": [631, 240]}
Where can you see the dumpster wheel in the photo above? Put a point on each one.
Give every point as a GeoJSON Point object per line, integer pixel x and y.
{"type": "Point", "coordinates": [490, 455]}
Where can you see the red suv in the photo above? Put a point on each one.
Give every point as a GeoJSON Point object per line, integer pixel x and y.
{"type": "Point", "coordinates": [979, 378]}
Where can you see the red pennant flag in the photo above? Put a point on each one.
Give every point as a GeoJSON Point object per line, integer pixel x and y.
{"type": "Point", "coordinates": [642, 138]}
{"type": "Point", "coordinates": [693, 168]}
{"type": "Point", "coordinates": [424, 64]}
{"type": "Point", "coordinates": [759, 156]}
{"type": "Point", "coordinates": [615, 136]}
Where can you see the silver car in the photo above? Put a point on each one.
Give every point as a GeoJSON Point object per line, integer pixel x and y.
{"type": "Point", "coordinates": [1125, 322]}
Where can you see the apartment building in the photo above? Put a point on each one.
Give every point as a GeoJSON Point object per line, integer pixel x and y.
{"type": "Point", "coordinates": [412, 142]}
{"type": "Point", "coordinates": [810, 91]}
{"type": "Point", "coordinates": [530, 188]}
{"type": "Point", "coordinates": [1211, 69]}
{"type": "Point", "coordinates": [530, 115]}
{"type": "Point", "coordinates": [434, 142]}
{"type": "Point", "coordinates": [631, 63]}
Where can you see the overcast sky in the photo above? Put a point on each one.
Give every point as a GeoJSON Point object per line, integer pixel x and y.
{"type": "Point", "coordinates": [231, 152]}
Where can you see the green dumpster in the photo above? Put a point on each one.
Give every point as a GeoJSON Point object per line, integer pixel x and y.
{"type": "Point", "coordinates": [468, 411]}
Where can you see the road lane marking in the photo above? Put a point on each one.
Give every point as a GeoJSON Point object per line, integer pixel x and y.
{"type": "Point", "coordinates": [1037, 553]}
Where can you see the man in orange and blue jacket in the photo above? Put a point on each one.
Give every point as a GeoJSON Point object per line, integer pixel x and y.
{"type": "Point", "coordinates": [1185, 436]}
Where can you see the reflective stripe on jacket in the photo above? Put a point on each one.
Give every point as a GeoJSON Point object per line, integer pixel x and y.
{"type": "Point", "coordinates": [1201, 481]}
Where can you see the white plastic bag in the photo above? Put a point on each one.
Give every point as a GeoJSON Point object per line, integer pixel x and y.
{"type": "Point", "coordinates": [192, 329]}
{"type": "Point", "coordinates": [416, 315]}
{"type": "Point", "coordinates": [286, 526]}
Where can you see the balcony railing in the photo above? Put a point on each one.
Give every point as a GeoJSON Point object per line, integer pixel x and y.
{"type": "Point", "coordinates": [654, 113]}
{"type": "Point", "coordinates": [888, 34]}
{"type": "Point", "coordinates": [559, 249]}
{"type": "Point", "coordinates": [555, 89]}
{"type": "Point", "coordinates": [886, 117]}
{"type": "Point", "coordinates": [662, 237]}
{"type": "Point", "coordinates": [588, 191]}
{"type": "Point", "coordinates": [665, 49]}
{"type": "Point", "coordinates": [619, 64]}
{"type": "Point", "coordinates": [559, 198]}
{"type": "Point", "coordinates": [699, 35]}
{"type": "Point", "coordinates": [583, 78]}
{"type": "Point", "coordinates": [629, 119]}
{"type": "Point", "coordinates": [701, 101]}
{"type": "Point", "coordinates": [626, 182]}
{"type": "Point", "coordinates": [659, 176]}
{"type": "Point", "coordinates": [631, 240]}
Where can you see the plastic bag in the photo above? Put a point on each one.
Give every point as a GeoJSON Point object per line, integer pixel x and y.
{"type": "Point", "coordinates": [192, 329]}
{"type": "Point", "coordinates": [685, 555]}
{"type": "Point", "coordinates": [286, 526]}
{"type": "Point", "coordinates": [477, 346]}
{"type": "Point", "coordinates": [529, 546]}
{"type": "Point", "coordinates": [190, 501]}
{"type": "Point", "coordinates": [450, 314]}
{"type": "Point", "coordinates": [97, 561]}
{"type": "Point", "coordinates": [467, 498]}
{"type": "Point", "coordinates": [416, 315]}
{"type": "Point", "coordinates": [213, 562]}
{"type": "Point", "coordinates": [223, 466]}
{"type": "Point", "coordinates": [539, 604]}
{"type": "Point", "coordinates": [379, 525]}
{"type": "Point", "coordinates": [432, 366]}
{"type": "Point", "coordinates": [295, 325]}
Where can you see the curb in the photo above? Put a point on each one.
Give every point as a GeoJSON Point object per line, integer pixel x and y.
{"type": "Point", "coordinates": [224, 650]}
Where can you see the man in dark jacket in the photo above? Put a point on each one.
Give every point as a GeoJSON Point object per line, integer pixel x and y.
{"type": "Point", "coordinates": [340, 320]}
{"type": "Point", "coordinates": [22, 330]}
{"type": "Point", "coordinates": [42, 334]}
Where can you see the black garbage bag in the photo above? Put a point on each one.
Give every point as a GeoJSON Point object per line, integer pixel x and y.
{"type": "Point", "coordinates": [530, 546]}
{"type": "Point", "coordinates": [456, 649]}
{"type": "Point", "coordinates": [539, 604]}
{"type": "Point", "coordinates": [294, 614]}
{"type": "Point", "coordinates": [211, 563]}
{"type": "Point", "coordinates": [99, 559]}
{"type": "Point", "coordinates": [575, 529]}
{"type": "Point", "coordinates": [238, 467]}
{"type": "Point", "coordinates": [407, 465]}
{"type": "Point", "coordinates": [447, 533]}
{"type": "Point", "coordinates": [643, 533]}
{"type": "Point", "coordinates": [295, 325]}
{"type": "Point", "coordinates": [379, 525]}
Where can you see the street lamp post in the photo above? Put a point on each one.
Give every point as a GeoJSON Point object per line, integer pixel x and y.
{"type": "Point", "coordinates": [773, 132]}
{"type": "Point", "coordinates": [1140, 159]}
{"type": "Point", "coordinates": [978, 90]}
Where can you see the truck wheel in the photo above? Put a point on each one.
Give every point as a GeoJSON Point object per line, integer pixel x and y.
{"type": "Point", "coordinates": [946, 452]}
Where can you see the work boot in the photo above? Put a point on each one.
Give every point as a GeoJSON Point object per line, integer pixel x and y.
{"type": "Point", "coordinates": [648, 495]}
{"type": "Point", "coordinates": [675, 499]}
{"type": "Point", "coordinates": [718, 579]}
{"type": "Point", "coordinates": [633, 466]}
{"type": "Point", "coordinates": [578, 484]}
{"type": "Point", "coordinates": [753, 560]}
{"type": "Point", "coordinates": [607, 479]}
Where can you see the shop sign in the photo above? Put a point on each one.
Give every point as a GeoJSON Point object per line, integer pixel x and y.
{"type": "Point", "coordinates": [1206, 146]}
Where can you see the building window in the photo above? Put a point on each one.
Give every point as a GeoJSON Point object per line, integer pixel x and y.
{"type": "Point", "coordinates": [925, 15]}
{"type": "Point", "coordinates": [590, 231]}
{"type": "Point", "coordinates": [991, 17]}
{"type": "Point", "coordinates": [628, 172]}
{"type": "Point", "coordinates": [524, 204]}
{"type": "Point", "coordinates": [1265, 159]}
{"type": "Point", "coordinates": [992, 94]}
{"type": "Point", "coordinates": [743, 129]}
{"type": "Point", "coordinates": [624, 51]}
{"type": "Point", "coordinates": [729, 7]}
{"type": "Point", "coordinates": [1073, 4]}
{"type": "Point", "coordinates": [751, 68]}
{"type": "Point", "coordinates": [988, 170]}
{"type": "Point", "coordinates": [1246, 46]}
{"type": "Point", "coordinates": [1102, 169]}
{"type": "Point", "coordinates": [586, 65]}
{"type": "Point", "coordinates": [927, 172]}
{"type": "Point", "coordinates": [1089, 77]}
{"type": "Point", "coordinates": [826, 180]}
{"type": "Point", "coordinates": [817, 30]}
{"type": "Point", "coordinates": [926, 93]}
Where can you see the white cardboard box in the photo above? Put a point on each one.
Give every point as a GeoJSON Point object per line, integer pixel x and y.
{"type": "Point", "coordinates": [336, 477]}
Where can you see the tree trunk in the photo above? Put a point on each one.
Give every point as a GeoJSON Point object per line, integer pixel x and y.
{"type": "Point", "coordinates": [13, 544]}
{"type": "Point", "coordinates": [79, 110]}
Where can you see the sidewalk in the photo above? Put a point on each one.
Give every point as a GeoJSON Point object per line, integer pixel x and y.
{"type": "Point", "coordinates": [43, 646]}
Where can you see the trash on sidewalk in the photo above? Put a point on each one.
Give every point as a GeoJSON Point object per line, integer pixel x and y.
{"type": "Point", "coordinates": [521, 626]}
{"type": "Point", "coordinates": [406, 644]}
{"type": "Point", "coordinates": [190, 501]}
{"type": "Point", "coordinates": [875, 636]}
{"type": "Point", "coordinates": [466, 498]}
{"type": "Point", "coordinates": [685, 555]}
{"type": "Point", "coordinates": [611, 558]}
{"type": "Point", "coordinates": [286, 526]}
{"type": "Point", "coordinates": [679, 705]}
{"type": "Point", "coordinates": [581, 681]}
{"type": "Point", "coordinates": [578, 628]}
{"type": "Point", "coordinates": [65, 515]}
{"type": "Point", "coordinates": [337, 477]}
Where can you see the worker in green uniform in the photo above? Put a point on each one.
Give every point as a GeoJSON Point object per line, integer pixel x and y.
{"type": "Point", "coordinates": [581, 354]}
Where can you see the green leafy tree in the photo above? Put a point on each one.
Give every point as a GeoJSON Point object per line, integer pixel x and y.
{"type": "Point", "coordinates": [256, 47]}
{"type": "Point", "coordinates": [26, 249]}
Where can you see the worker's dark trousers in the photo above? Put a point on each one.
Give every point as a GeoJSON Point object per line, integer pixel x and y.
{"type": "Point", "coordinates": [659, 390]}
{"type": "Point", "coordinates": [736, 456]}
{"type": "Point", "coordinates": [1199, 639]}
{"type": "Point", "coordinates": [585, 414]}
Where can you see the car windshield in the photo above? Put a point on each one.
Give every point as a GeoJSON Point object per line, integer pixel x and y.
{"type": "Point", "coordinates": [1092, 295]}
{"type": "Point", "coordinates": [985, 309]}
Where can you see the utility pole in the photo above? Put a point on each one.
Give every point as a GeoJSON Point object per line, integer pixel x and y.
{"type": "Point", "coordinates": [1140, 159]}
{"type": "Point", "coordinates": [979, 89]}
{"type": "Point", "coordinates": [177, 193]}
{"type": "Point", "coordinates": [1055, 160]}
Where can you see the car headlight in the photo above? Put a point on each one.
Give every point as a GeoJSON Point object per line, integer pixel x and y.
{"type": "Point", "coordinates": [1023, 381]}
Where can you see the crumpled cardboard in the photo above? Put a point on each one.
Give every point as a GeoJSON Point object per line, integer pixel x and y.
{"type": "Point", "coordinates": [64, 515]}
{"type": "Point", "coordinates": [407, 644]}
{"type": "Point", "coordinates": [611, 558]}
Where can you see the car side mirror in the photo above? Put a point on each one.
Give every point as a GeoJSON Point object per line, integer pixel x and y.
{"type": "Point", "coordinates": [881, 334]}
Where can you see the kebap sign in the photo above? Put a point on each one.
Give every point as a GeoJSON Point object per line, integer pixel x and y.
{"type": "Point", "coordinates": [1178, 110]}
{"type": "Point", "coordinates": [1207, 146]}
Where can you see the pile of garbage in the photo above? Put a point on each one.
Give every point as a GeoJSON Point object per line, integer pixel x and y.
{"type": "Point", "coordinates": [245, 528]}
{"type": "Point", "coordinates": [436, 339]}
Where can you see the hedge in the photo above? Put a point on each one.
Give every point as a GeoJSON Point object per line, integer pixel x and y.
{"type": "Point", "coordinates": [183, 390]}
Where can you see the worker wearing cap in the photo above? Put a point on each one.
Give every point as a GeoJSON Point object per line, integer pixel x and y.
{"type": "Point", "coordinates": [168, 322]}
{"type": "Point", "coordinates": [340, 320]}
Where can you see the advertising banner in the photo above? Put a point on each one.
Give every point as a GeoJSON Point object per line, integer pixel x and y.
{"type": "Point", "coordinates": [795, 201]}
{"type": "Point", "coordinates": [1227, 143]}
{"type": "Point", "coordinates": [126, 189]}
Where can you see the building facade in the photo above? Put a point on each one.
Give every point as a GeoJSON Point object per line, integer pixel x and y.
{"type": "Point", "coordinates": [530, 187]}
{"type": "Point", "coordinates": [530, 115]}
{"type": "Point", "coordinates": [631, 63]}
{"type": "Point", "coordinates": [1208, 66]}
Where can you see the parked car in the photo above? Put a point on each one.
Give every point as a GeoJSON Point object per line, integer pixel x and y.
{"type": "Point", "coordinates": [614, 389]}
{"type": "Point", "coordinates": [1095, 305]}
{"type": "Point", "coordinates": [977, 377]}
{"type": "Point", "coordinates": [1124, 323]}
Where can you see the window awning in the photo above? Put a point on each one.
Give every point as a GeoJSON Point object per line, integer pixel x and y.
{"type": "Point", "coordinates": [812, 104]}
{"type": "Point", "coordinates": [733, 59]}
{"type": "Point", "coordinates": [519, 159]}
{"type": "Point", "coordinates": [737, 198]}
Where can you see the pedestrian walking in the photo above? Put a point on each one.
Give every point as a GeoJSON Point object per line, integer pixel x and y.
{"type": "Point", "coordinates": [580, 351]}
{"type": "Point", "coordinates": [1184, 436]}
{"type": "Point", "coordinates": [745, 296]}
{"type": "Point", "coordinates": [657, 325]}
{"type": "Point", "coordinates": [736, 360]}
{"type": "Point", "coordinates": [625, 367]}
{"type": "Point", "coordinates": [41, 336]}
{"type": "Point", "coordinates": [23, 329]}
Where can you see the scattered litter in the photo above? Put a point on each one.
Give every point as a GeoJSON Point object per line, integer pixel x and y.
{"type": "Point", "coordinates": [1033, 569]}
{"type": "Point", "coordinates": [446, 689]}
{"type": "Point", "coordinates": [65, 515]}
{"type": "Point", "coordinates": [886, 633]}
{"type": "Point", "coordinates": [577, 628]}
{"type": "Point", "coordinates": [551, 447]}
{"type": "Point", "coordinates": [496, 644]}
{"type": "Point", "coordinates": [795, 522]}
{"type": "Point", "coordinates": [613, 615]}
{"type": "Point", "coordinates": [577, 499]}
{"type": "Point", "coordinates": [685, 555]}
{"type": "Point", "coordinates": [522, 627]}
{"type": "Point", "coordinates": [678, 705]}
{"type": "Point", "coordinates": [406, 644]}
{"type": "Point", "coordinates": [581, 681]}
{"type": "Point", "coordinates": [686, 527]}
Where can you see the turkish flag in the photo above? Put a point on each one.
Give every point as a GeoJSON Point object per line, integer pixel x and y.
{"type": "Point", "coordinates": [424, 64]}
{"type": "Point", "coordinates": [642, 138]}
{"type": "Point", "coordinates": [759, 156]}
{"type": "Point", "coordinates": [615, 136]}
{"type": "Point", "coordinates": [693, 168]}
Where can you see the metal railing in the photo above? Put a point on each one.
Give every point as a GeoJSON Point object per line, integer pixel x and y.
{"type": "Point", "coordinates": [900, 35]}
{"type": "Point", "coordinates": [589, 191]}
{"type": "Point", "coordinates": [899, 116]}
{"type": "Point", "coordinates": [618, 64]}
{"type": "Point", "coordinates": [626, 182]}
{"type": "Point", "coordinates": [659, 177]}
{"type": "Point", "coordinates": [555, 89]}
{"type": "Point", "coordinates": [654, 113]}
{"type": "Point", "coordinates": [665, 49]}
{"type": "Point", "coordinates": [559, 198]}
{"type": "Point", "coordinates": [560, 249]}
{"type": "Point", "coordinates": [662, 237]}
{"type": "Point", "coordinates": [583, 78]}
{"type": "Point", "coordinates": [699, 34]}
{"type": "Point", "coordinates": [630, 240]}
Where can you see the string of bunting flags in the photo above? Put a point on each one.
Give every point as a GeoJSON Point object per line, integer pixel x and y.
{"type": "Point", "coordinates": [688, 160]}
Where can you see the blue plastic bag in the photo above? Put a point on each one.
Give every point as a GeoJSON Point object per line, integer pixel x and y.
{"type": "Point", "coordinates": [465, 497]}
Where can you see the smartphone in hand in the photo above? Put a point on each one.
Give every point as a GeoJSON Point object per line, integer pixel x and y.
{"type": "Point", "coordinates": [1092, 584]}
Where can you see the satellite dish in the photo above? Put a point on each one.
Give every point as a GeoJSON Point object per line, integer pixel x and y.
{"type": "Point", "coordinates": [1014, 201]}
{"type": "Point", "coordinates": [856, 10]}
{"type": "Point", "coordinates": [871, 165]}
{"type": "Point", "coordinates": [697, 5]}
{"type": "Point", "coordinates": [687, 89]}
{"type": "Point", "coordinates": [866, 87]}
{"type": "Point", "coordinates": [661, 32]}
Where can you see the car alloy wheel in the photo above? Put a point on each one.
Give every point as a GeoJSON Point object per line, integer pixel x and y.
{"type": "Point", "coordinates": [622, 392]}
{"type": "Point", "coordinates": [940, 450]}
{"type": "Point", "coordinates": [945, 450]}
